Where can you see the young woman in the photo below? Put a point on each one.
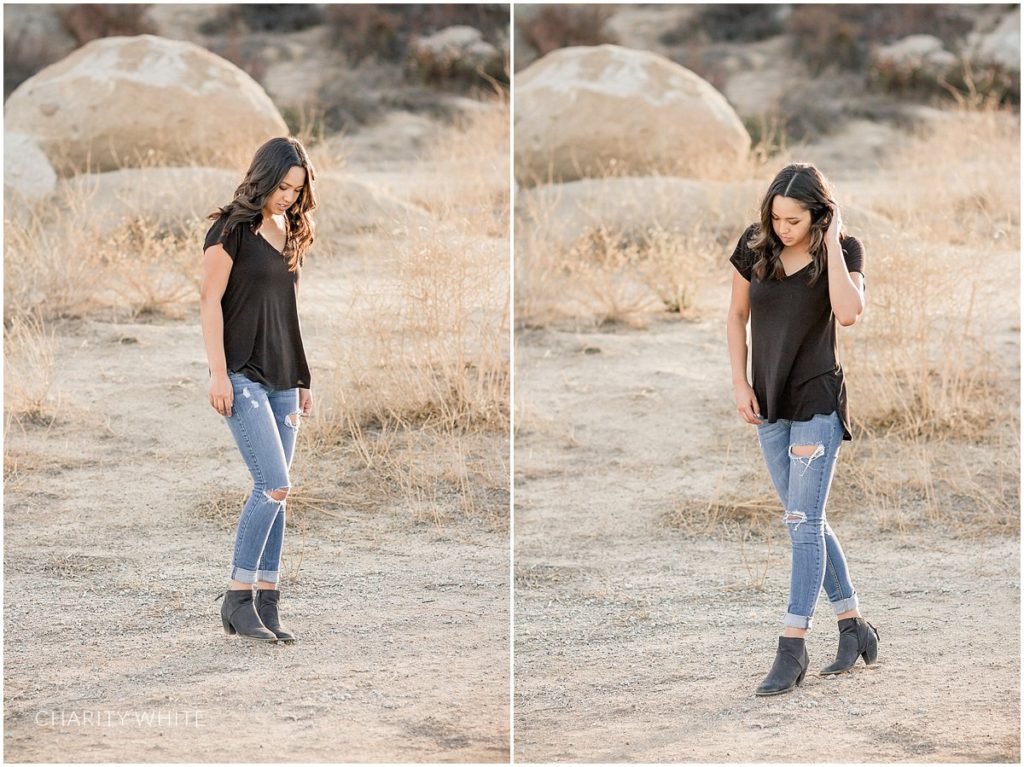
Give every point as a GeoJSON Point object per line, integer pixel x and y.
{"type": "Point", "coordinates": [259, 379]}
{"type": "Point", "coordinates": [797, 272]}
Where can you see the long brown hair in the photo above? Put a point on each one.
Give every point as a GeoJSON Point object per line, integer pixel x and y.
{"type": "Point", "coordinates": [269, 166]}
{"type": "Point", "coordinates": [808, 186]}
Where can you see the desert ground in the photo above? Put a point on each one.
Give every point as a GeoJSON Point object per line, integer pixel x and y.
{"type": "Point", "coordinates": [651, 560]}
{"type": "Point", "coordinates": [638, 642]}
{"type": "Point", "coordinates": [123, 487]}
{"type": "Point", "coordinates": [112, 566]}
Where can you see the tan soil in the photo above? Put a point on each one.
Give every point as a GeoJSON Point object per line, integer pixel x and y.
{"type": "Point", "coordinates": [111, 568]}
{"type": "Point", "coordinates": [637, 642]}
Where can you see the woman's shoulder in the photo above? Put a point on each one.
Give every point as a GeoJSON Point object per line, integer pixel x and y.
{"type": "Point", "coordinates": [231, 240]}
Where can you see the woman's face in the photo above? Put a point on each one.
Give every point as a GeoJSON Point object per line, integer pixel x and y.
{"type": "Point", "coordinates": [286, 193]}
{"type": "Point", "coordinates": [791, 221]}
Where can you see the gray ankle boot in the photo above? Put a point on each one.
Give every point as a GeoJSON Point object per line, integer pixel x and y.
{"type": "Point", "coordinates": [266, 607]}
{"type": "Point", "coordinates": [238, 614]}
{"type": "Point", "coordinates": [857, 638]}
{"type": "Point", "coordinates": [788, 670]}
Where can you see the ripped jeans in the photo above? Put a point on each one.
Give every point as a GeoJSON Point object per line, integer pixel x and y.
{"type": "Point", "coordinates": [803, 483]}
{"type": "Point", "coordinates": [264, 423]}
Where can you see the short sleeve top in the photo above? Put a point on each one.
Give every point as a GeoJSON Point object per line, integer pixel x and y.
{"type": "Point", "coordinates": [262, 336]}
{"type": "Point", "coordinates": [794, 357]}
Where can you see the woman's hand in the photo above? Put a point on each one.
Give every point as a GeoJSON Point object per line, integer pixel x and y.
{"type": "Point", "coordinates": [746, 403]}
{"type": "Point", "coordinates": [221, 393]}
{"type": "Point", "coordinates": [835, 225]}
{"type": "Point", "coordinates": [305, 401]}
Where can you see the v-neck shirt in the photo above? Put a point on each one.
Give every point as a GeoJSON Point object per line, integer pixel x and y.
{"type": "Point", "coordinates": [794, 356]}
{"type": "Point", "coordinates": [262, 335]}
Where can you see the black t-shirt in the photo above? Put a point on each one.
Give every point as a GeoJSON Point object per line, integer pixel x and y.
{"type": "Point", "coordinates": [794, 360]}
{"type": "Point", "coordinates": [262, 338]}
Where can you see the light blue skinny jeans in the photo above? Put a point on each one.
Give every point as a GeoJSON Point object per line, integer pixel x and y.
{"type": "Point", "coordinates": [265, 424]}
{"type": "Point", "coordinates": [803, 484]}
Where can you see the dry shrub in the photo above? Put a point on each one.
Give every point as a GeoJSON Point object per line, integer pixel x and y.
{"type": "Point", "coordinates": [420, 393]}
{"type": "Point", "coordinates": [923, 356]}
{"type": "Point", "coordinates": [89, 21]}
{"type": "Point", "coordinates": [827, 36]}
{"type": "Point", "coordinates": [60, 263]}
{"type": "Point", "coordinates": [30, 370]}
{"type": "Point", "coordinates": [39, 273]}
{"type": "Point", "coordinates": [549, 27]}
{"type": "Point", "coordinates": [470, 168]}
{"type": "Point", "coordinates": [383, 32]}
{"type": "Point", "coordinates": [611, 277]}
{"type": "Point", "coordinates": [431, 350]}
{"type": "Point", "coordinates": [617, 276]}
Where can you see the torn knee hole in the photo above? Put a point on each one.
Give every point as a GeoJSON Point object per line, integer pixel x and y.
{"type": "Point", "coordinates": [791, 517]}
{"type": "Point", "coordinates": [277, 495]}
{"type": "Point", "coordinates": [292, 419]}
{"type": "Point", "coordinates": [806, 451]}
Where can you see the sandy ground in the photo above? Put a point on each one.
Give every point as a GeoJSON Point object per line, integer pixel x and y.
{"type": "Point", "coordinates": [113, 644]}
{"type": "Point", "coordinates": [636, 642]}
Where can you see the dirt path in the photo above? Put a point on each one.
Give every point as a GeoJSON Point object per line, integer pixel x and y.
{"type": "Point", "coordinates": [113, 646]}
{"type": "Point", "coordinates": [637, 643]}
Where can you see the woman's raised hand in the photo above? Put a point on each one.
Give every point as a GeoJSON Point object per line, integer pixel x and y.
{"type": "Point", "coordinates": [835, 225]}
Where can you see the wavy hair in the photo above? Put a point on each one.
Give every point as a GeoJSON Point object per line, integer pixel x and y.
{"type": "Point", "coordinates": [807, 185]}
{"type": "Point", "coordinates": [268, 168]}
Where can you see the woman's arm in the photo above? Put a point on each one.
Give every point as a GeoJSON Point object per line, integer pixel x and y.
{"type": "Point", "coordinates": [216, 270]}
{"type": "Point", "coordinates": [739, 313]}
{"type": "Point", "coordinates": [845, 290]}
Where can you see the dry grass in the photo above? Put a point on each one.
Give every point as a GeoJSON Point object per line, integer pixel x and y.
{"type": "Point", "coordinates": [612, 277]}
{"type": "Point", "coordinates": [932, 367]}
{"type": "Point", "coordinates": [420, 394]}
{"type": "Point", "coordinates": [60, 264]}
{"type": "Point", "coordinates": [927, 357]}
{"type": "Point", "coordinates": [30, 369]}
{"type": "Point", "coordinates": [420, 400]}
{"type": "Point", "coordinates": [629, 275]}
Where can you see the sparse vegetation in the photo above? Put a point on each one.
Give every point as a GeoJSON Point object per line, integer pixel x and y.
{"type": "Point", "coordinates": [421, 398]}
{"type": "Point", "coordinates": [931, 365]}
{"type": "Point", "coordinates": [549, 27]}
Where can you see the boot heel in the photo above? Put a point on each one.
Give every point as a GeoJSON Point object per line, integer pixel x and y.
{"type": "Point", "coordinates": [870, 653]}
{"type": "Point", "coordinates": [228, 628]}
{"type": "Point", "coordinates": [800, 678]}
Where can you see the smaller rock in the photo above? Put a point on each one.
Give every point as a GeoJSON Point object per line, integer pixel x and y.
{"type": "Point", "coordinates": [457, 51]}
{"type": "Point", "coordinates": [27, 171]}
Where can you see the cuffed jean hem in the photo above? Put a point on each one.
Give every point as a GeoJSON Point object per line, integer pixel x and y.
{"type": "Point", "coordinates": [845, 605]}
{"type": "Point", "coordinates": [270, 576]}
{"type": "Point", "coordinates": [245, 576]}
{"type": "Point", "coordinates": [797, 621]}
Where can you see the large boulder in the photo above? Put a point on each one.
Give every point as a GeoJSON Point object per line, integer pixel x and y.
{"type": "Point", "coordinates": [118, 100]}
{"type": "Point", "coordinates": [632, 207]}
{"type": "Point", "coordinates": [560, 215]}
{"type": "Point", "coordinates": [169, 197]}
{"type": "Point", "coordinates": [586, 112]}
{"type": "Point", "coordinates": [349, 205]}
